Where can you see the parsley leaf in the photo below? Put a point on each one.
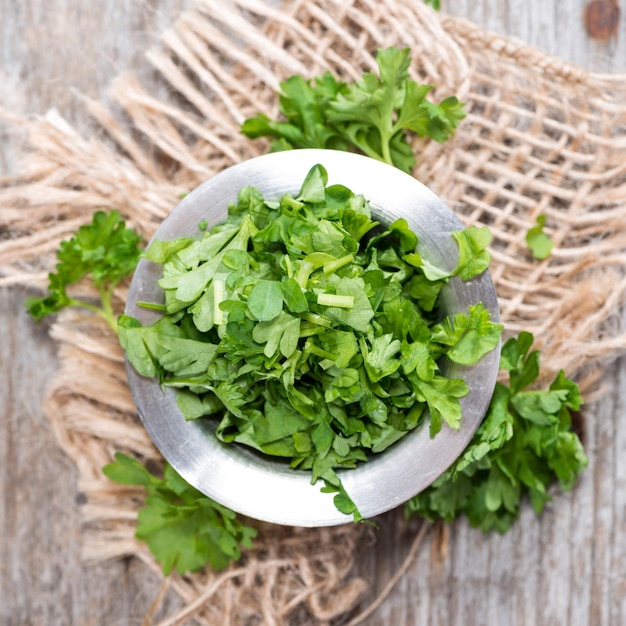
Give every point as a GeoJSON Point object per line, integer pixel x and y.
{"type": "Point", "coordinates": [468, 337]}
{"type": "Point", "coordinates": [304, 106]}
{"type": "Point", "coordinates": [474, 259]}
{"type": "Point", "coordinates": [183, 528]}
{"type": "Point", "coordinates": [372, 115]}
{"type": "Point", "coordinates": [265, 300]}
{"type": "Point", "coordinates": [106, 251]}
{"type": "Point", "coordinates": [523, 445]}
{"type": "Point", "coordinates": [473, 255]}
{"type": "Point", "coordinates": [539, 243]}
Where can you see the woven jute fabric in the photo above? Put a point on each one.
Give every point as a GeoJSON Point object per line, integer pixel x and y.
{"type": "Point", "coordinates": [541, 137]}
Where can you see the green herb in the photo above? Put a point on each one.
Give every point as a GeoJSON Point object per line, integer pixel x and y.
{"type": "Point", "coordinates": [373, 115]}
{"type": "Point", "coordinates": [105, 251]}
{"type": "Point", "coordinates": [524, 444]}
{"type": "Point", "coordinates": [308, 331]}
{"type": "Point", "coordinates": [539, 243]}
{"type": "Point", "coordinates": [183, 528]}
{"type": "Point", "coordinates": [435, 4]}
{"type": "Point", "coordinates": [358, 312]}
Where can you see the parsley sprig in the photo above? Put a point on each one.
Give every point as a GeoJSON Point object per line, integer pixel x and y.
{"type": "Point", "coordinates": [106, 251]}
{"type": "Point", "coordinates": [374, 115]}
{"type": "Point", "coordinates": [183, 528]}
{"type": "Point", "coordinates": [523, 444]}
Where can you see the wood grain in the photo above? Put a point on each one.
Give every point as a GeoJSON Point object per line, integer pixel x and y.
{"type": "Point", "coordinates": [567, 567]}
{"type": "Point", "coordinates": [556, 28]}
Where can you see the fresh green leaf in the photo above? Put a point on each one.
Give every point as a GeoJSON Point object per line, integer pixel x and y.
{"type": "Point", "coordinates": [468, 336]}
{"type": "Point", "coordinates": [293, 296]}
{"type": "Point", "coordinates": [524, 444]}
{"type": "Point", "coordinates": [162, 251]}
{"type": "Point", "coordinates": [343, 502]}
{"type": "Point", "coordinates": [163, 348]}
{"type": "Point", "coordinates": [442, 397]}
{"type": "Point", "coordinates": [360, 313]}
{"type": "Point", "coordinates": [473, 255]}
{"type": "Point", "coordinates": [380, 356]}
{"type": "Point", "coordinates": [435, 4]}
{"type": "Point", "coordinates": [184, 529]}
{"type": "Point", "coordinates": [313, 188]}
{"type": "Point", "coordinates": [303, 106]}
{"type": "Point", "coordinates": [539, 243]}
{"type": "Point", "coordinates": [280, 333]}
{"type": "Point", "coordinates": [194, 406]}
{"type": "Point", "coordinates": [517, 359]}
{"type": "Point", "coordinates": [129, 471]}
{"type": "Point", "coordinates": [105, 251]}
{"type": "Point", "coordinates": [373, 115]}
{"type": "Point", "coordinates": [417, 357]}
{"type": "Point", "coordinates": [265, 301]}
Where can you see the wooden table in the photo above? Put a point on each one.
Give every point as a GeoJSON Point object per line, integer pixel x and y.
{"type": "Point", "coordinates": [568, 567]}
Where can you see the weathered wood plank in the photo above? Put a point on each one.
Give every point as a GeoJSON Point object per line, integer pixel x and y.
{"type": "Point", "coordinates": [50, 52]}
{"type": "Point", "coordinates": [554, 27]}
{"type": "Point", "coordinates": [42, 578]}
{"type": "Point", "coordinates": [566, 567]}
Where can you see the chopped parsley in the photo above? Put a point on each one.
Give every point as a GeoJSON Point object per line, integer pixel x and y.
{"type": "Point", "coordinates": [308, 331]}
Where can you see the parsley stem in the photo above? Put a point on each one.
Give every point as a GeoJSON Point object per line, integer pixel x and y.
{"type": "Point", "coordinates": [311, 348]}
{"type": "Point", "coordinates": [218, 298]}
{"type": "Point", "coordinates": [365, 148]}
{"type": "Point", "coordinates": [152, 306]}
{"type": "Point", "coordinates": [106, 296]}
{"type": "Point", "coordinates": [333, 299]}
{"type": "Point", "coordinates": [288, 266]}
{"type": "Point", "coordinates": [385, 143]}
{"type": "Point", "coordinates": [304, 271]}
{"type": "Point", "coordinates": [308, 329]}
{"type": "Point", "coordinates": [106, 313]}
{"type": "Point", "coordinates": [333, 266]}
{"type": "Point", "coordinates": [319, 320]}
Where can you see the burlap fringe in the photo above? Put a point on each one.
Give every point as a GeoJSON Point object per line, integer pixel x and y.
{"type": "Point", "coordinates": [541, 137]}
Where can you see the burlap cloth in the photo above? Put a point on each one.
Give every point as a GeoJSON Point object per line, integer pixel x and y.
{"type": "Point", "coordinates": [540, 137]}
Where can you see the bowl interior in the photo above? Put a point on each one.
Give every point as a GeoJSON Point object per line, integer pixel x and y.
{"type": "Point", "coordinates": [266, 489]}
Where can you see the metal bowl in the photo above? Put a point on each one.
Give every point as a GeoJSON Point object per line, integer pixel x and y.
{"type": "Point", "coordinates": [261, 487]}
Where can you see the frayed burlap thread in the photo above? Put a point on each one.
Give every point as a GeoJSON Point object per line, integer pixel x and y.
{"type": "Point", "coordinates": [541, 137]}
